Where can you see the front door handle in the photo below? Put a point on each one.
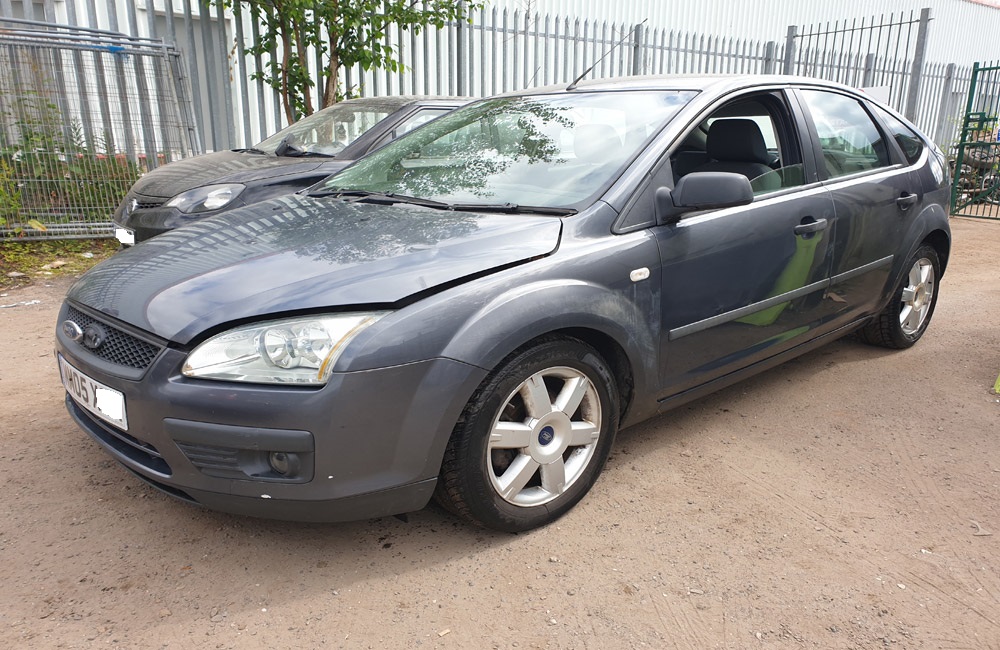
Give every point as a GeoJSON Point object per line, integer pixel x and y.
{"type": "Point", "coordinates": [809, 226]}
{"type": "Point", "coordinates": [906, 200]}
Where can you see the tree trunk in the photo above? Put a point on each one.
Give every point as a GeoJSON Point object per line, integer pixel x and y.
{"type": "Point", "coordinates": [302, 55]}
{"type": "Point", "coordinates": [286, 56]}
{"type": "Point", "coordinates": [332, 79]}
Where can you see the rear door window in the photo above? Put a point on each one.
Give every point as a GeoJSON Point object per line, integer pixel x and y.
{"type": "Point", "coordinates": [850, 141]}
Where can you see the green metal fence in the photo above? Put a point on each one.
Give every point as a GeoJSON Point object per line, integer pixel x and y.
{"type": "Point", "coordinates": [976, 187]}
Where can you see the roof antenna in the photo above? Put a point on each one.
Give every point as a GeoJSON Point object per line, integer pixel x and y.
{"type": "Point", "coordinates": [572, 86]}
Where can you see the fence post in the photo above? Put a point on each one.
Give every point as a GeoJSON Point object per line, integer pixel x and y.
{"type": "Point", "coordinates": [460, 57]}
{"type": "Point", "coordinates": [868, 77]}
{"type": "Point", "coordinates": [790, 36]}
{"type": "Point", "coordinates": [917, 70]}
{"type": "Point", "coordinates": [770, 57]}
{"type": "Point", "coordinates": [211, 86]}
{"type": "Point", "coordinates": [244, 78]}
{"type": "Point", "coordinates": [960, 154]}
{"type": "Point", "coordinates": [637, 67]}
{"type": "Point", "coordinates": [229, 115]}
{"type": "Point", "coordinates": [945, 108]}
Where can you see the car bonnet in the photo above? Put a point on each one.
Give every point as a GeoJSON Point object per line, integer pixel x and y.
{"type": "Point", "coordinates": [221, 167]}
{"type": "Point", "coordinates": [297, 253]}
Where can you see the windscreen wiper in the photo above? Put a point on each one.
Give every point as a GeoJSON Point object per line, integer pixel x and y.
{"type": "Point", "coordinates": [389, 198]}
{"type": "Point", "coordinates": [299, 153]}
{"type": "Point", "coordinates": [384, 198]}
{"type": "Point", "coordinates": [288, 149]}
{"type": "Point", "coordinates": [250, 150]}
{"type": "Point", "coordinates": [512, 208]}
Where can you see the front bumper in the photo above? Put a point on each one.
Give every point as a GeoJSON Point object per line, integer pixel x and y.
{"type": "Point", "coordinates": [367, 444]}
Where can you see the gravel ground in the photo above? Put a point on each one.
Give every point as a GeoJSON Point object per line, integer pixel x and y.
{"type": "Point", "coordinates": [848, 499]}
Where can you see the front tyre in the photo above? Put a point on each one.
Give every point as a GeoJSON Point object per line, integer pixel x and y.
{"type": "Point", "coordinates": [533, 439]}
{"type": "Point", "coordinates": [904, 320]}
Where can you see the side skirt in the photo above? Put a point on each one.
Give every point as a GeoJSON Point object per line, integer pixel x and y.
{"type": "Point", "coordinates": [678, 399]}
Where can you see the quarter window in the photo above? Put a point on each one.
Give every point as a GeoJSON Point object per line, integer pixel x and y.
{"type": "Point", "coordinates": [850, 140]}
{"type": "Point", "coordinates": [908, 141]}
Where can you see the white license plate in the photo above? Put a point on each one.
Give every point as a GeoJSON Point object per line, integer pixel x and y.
{"type": "Point", "coordinates": [104, 402]}
{"type": "Point", "coordinates": [125, 236]}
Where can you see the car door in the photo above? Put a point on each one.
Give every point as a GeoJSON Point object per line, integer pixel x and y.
{"type": "Point", "coordinates": [742, 284]}
{"type": "Point", "coordinates": [872, 192]}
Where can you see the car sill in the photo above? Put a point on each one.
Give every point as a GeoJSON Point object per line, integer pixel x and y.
{"type": "Point", "coordinates": [678, 399]}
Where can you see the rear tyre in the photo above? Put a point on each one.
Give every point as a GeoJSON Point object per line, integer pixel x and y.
{"type": "Point", "coordinates": [904, 320]}
{"type": "Point", "coordinates": [533, 439]}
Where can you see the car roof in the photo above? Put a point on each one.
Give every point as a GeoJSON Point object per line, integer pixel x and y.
{"type": "Point", "coordinates": [716, 83]}
{"type": "Point", "coordinates": [399, 101]}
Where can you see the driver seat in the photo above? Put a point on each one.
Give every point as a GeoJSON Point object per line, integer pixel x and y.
{"type": "Point", "coordinates": [737, 146]}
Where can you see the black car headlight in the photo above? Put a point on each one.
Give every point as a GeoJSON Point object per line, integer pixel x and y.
{"type": "Point", "coordinates": [292, 351]}
{"type": "Point", "coordinates": [207, 198]}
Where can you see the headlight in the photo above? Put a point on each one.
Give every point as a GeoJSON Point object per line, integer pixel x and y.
{"type": "Point", "coordinates": [294, 351]}
{"type": "Point", "coordinates": [204, 199]}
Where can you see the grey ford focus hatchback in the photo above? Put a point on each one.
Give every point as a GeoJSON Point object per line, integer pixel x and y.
{"type": "Point", "coordinates": [471, 312]}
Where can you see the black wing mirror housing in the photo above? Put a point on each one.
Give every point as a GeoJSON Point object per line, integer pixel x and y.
{"type": "Point", "coordinates": [702, 191]}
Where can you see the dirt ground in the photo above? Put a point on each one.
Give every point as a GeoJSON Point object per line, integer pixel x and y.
{"type": "Point", "coordinates": [849, 499]}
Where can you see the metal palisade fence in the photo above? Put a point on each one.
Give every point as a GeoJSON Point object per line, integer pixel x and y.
{"type": "Point", "coordinates": [221, 105]}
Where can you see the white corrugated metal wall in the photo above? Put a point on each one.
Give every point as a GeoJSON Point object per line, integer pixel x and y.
{"type": "Point", "coordinates": [233, 111]}
{"type": "Point", "coordinates": [961, 32]}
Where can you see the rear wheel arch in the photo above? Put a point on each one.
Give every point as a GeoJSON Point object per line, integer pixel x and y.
{"type": "Point", "coordinates": [941, 243]}
{"type": "Point", "coordinates": [902, 322]}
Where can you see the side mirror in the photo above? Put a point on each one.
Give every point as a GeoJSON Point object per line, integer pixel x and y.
{"type": "Point", "coordinates": [702, 191]}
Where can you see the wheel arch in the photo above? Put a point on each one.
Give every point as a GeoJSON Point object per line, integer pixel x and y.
{"type": "Point", "coordinates": [619, 328]}
{"type": "Point", "coordinates": [929, 227]}
{"type": "Point", "coordinates": [610, 351]}
{"type": "Point", "coordinates": [940, 241]}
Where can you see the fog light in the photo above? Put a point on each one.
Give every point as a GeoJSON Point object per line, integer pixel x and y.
{"type": "Point", "coordinates": [284, 463]}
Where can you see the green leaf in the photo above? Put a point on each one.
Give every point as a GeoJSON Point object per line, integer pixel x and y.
{"type": "Point", "coordinates": [343, 33]}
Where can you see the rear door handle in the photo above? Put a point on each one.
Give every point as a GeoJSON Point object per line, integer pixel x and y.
{"type": "Point", "coordinates": [810, 225]}
{"type": "Point", "coordinates": [905, 201]}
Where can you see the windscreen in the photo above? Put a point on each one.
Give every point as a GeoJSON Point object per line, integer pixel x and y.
{"type": "Point", "coordinates": [544, 150]}
{"type": "Point", "coordinates": [328, 131]}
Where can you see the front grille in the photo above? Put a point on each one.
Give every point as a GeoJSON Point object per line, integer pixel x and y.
{"type": "Point", "coordinates": [135, 202]}
{"type": "Point", "coordinates": [119, 348]}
